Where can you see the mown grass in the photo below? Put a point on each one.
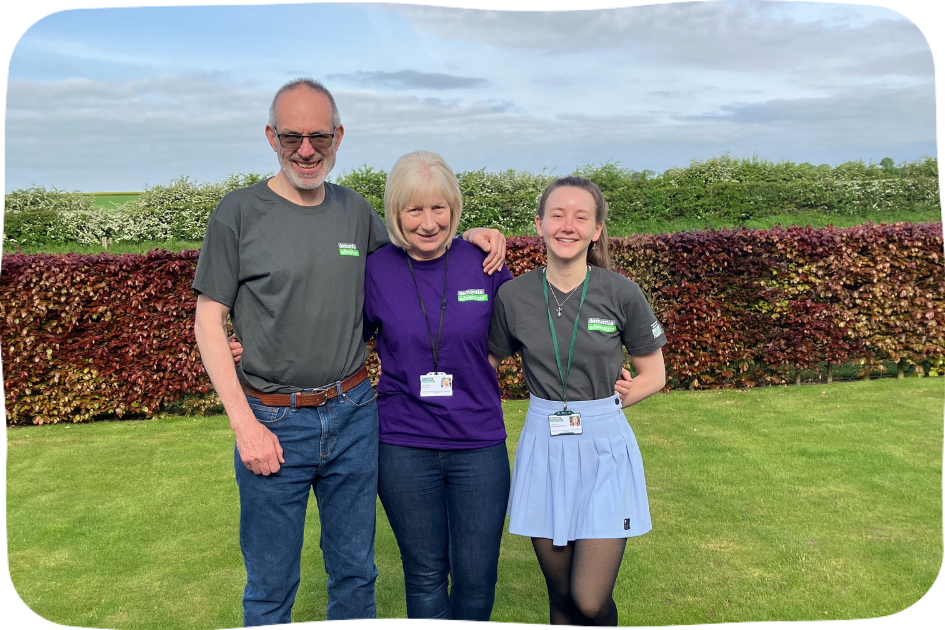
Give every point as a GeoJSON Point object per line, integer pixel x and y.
{"type": "Point", "coordinates": [811, 502]}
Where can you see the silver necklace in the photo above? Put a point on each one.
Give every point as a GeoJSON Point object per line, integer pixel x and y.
{"type": "Point", "coordinates": [560, 304]}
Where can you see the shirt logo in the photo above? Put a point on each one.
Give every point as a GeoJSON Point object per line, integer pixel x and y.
{"type": "Point", "coordinates": [656, 328]}
{"type": "Point", "coordinates": [348, 249]}
{"type": "Point", "coordinates": [473, 295]}
{"type": "Point", "coordinates": [601, 325]}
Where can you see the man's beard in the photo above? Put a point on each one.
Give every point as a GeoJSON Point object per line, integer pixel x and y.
{"type": "Point", "coordinates": [307, 183]}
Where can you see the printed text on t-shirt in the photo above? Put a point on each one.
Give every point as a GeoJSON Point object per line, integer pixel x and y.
{"type": "Point", "coordinates": [473, 295]}
{"type": "Point", "coordinates": [601, 325]}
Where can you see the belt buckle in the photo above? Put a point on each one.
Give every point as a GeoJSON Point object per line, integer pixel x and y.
{"type": "Point", "coordinates": [320, 390]}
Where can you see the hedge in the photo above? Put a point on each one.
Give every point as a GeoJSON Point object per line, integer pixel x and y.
{"type": "Point", "coordinates": [85, 337]}
{"type": "Point", "coordinates": [179, 210]}
{"type": "Point", "coordinates": [720, 189]}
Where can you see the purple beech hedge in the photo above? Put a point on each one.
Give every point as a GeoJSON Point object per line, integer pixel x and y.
{"type": "Point", "coordinates": [89, 336]}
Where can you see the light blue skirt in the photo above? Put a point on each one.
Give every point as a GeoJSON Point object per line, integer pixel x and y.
{"type": "Point", "coordinates": [568, 487]}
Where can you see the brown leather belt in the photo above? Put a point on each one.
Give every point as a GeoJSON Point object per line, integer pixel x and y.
{"type": "Point", "coordinates": [316, 398]}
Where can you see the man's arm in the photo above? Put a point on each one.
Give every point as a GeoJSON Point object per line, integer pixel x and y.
{"type": "Point", "coordinates": [259, 449]}
{"type": "Point", "coordinates": [490, 241]}
{"type": "Point", "coordinates": [495, 360]}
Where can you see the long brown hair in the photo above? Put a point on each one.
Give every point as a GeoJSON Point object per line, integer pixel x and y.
{"type": "Point", "coordinates": [598, 254]}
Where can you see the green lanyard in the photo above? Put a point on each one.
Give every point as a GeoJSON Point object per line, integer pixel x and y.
{"type": "Point", "coordinates": [577, 318]}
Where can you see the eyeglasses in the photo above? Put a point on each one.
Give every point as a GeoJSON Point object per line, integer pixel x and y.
{"type": "Point", "coordinates": [319, 141]}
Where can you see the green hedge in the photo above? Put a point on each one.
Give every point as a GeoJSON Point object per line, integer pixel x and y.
{"type": "Point", "coordinates": [721, 189]}
{"type": "Point", "coordinates": [178, 210]}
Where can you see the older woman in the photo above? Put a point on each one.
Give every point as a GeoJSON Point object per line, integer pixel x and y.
{"type": "Point", "coordinates": [443, 474]}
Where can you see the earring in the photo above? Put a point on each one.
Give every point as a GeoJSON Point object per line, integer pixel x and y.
{"type": "Point", "coordinates": [593, 244]}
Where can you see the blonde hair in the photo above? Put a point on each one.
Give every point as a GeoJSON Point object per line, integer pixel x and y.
{"type": "Point", "coordinates": [411, 178]}
{"type": "Point", "coordinates": [598, 254]}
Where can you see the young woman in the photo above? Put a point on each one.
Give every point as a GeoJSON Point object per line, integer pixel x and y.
{"type": "Point", "coordinates": [577, 487]}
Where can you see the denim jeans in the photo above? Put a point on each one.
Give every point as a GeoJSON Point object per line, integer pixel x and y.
{"type": "Point", "coordinates": [447, 510]}
{"type": "Point", "coordinates": [332, 450]}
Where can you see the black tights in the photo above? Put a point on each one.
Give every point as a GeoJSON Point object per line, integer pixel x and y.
{"type": "Point", "coordinates": [581, 578]}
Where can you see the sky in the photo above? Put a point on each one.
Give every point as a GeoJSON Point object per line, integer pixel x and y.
{"type": "Point", "coordinates": [123, 98]}
{"type": "Point", "coordinates": [117, 99]}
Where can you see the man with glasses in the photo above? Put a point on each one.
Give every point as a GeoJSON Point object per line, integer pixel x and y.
{"type": "Point", "coordinates": [286, 258]}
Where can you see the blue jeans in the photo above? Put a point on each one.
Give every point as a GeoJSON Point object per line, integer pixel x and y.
{"type": "Point", "coordinates": [332, 450]}
{"type": "Point", "coordinates": [447, 510]}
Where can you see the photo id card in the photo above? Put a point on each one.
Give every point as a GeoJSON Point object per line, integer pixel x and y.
{"type": "Point", "coordinates": [565, 423]}
{"type": "Point", "coordinates": [436, 384]}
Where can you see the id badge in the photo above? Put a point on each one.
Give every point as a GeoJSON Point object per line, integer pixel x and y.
{"type": "Point", "coordinates": [436, 384]}
{"type": "Point", "coordinates": [565, 423]}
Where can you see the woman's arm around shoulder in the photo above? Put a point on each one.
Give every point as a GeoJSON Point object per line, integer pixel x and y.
{"type": "Point", "coordinates": [650, 378]}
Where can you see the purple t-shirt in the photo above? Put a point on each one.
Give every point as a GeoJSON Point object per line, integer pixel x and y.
{"type": "Point", "coordinates": [472, 416]}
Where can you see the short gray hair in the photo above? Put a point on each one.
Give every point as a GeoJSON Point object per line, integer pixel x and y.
{"type": "Point", "coordinates": [315, 86]}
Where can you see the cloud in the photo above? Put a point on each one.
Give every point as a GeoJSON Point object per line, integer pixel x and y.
{"type": "Point", "coordinates": [196, 97]}
{"type": "Point", "coordinates": [852, 117]}
{"type": "Point", "coordinates": [848, 124]}
{"type": "Point", "coordinates": [88, 52]}
{"type": "Point", "coordinates": [740, 36]}
{"type": "Point", "coordinates": [915, 64]}
{"type": "Point", "coordinates": [409, 80]}
{"type": "Point", "coordinates": [120, 135]}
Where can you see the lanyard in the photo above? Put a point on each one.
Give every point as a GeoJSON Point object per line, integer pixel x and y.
{"type": "Point", "coordinates": [434, 348]}
{"type": "Point", "coordinates": [564, 375]}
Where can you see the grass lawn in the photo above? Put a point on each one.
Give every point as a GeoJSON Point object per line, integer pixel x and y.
{"type": "Point", "coordinates": [810, 502]}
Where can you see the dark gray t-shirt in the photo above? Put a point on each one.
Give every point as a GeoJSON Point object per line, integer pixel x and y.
{"type": "Point", "coordinates": [615, 312]}
{"type": "Point", "coordinates": [293, 277]}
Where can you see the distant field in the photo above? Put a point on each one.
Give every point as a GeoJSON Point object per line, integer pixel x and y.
{"type": "Point", "coordinates": [112, 199]}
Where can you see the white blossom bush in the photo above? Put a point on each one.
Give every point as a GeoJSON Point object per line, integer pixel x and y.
{"type": "Point", "coordinates": [38, 199]}
{"type": "Point", "coordinates": [179, 210]}
{"type": "Point", "coordinates": [367, 181]}
{"type": "Point", "coordinates": [506, 201]}
{"type": "Point", "coordinates": [723, 187]}
{"type": "Point", "coordinates": [34, 216]}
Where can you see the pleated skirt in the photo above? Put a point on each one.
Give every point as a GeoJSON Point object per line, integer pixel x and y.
{"type": "Point", "coordinates": [569, 487]}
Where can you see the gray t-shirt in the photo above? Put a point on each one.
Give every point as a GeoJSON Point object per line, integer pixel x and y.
{"type": "Point", "coordinates": [293, 277]}
{"type": "Point", "coordinates": [615, 312]}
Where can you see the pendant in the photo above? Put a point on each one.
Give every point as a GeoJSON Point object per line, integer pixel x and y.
{"type": "Point", "coordinates": [559, 311]}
